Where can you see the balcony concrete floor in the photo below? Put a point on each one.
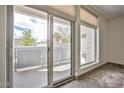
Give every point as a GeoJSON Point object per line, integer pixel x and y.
{"type": "Point", "coordinates": [37, 78]}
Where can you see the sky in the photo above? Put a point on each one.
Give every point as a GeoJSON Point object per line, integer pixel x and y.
{"type": "Point", "coordinates": [36, 25]}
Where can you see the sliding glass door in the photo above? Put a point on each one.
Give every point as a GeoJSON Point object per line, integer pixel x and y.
{"type": "Point", "coordinates": [61, 49]}
{"type": "Point", "coordinates": [41, 58]}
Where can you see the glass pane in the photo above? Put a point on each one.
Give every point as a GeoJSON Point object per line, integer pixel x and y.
{"type": "Point", "coordinates": [87, 44]}
{"type": "Point", "coordinates": [30, 50]}
{"type": "Point", "coordinates": [61, 49]}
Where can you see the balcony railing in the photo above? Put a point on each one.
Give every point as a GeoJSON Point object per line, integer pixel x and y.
{"type": "Point", "coordinates": [29, 57]}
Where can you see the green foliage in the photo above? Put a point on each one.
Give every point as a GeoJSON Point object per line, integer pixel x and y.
{"type": "Point", "coordinates": [61, 36]}
{"type": "Point", "coordinates": [27, 39]}
{"type": "Point", "coordinates": [57, 36]}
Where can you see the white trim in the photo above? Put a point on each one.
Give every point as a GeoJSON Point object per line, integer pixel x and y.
{"type": "Point", "coordinates": [90, 64]}
{"type": "Point", "coordinates": [77, 40]}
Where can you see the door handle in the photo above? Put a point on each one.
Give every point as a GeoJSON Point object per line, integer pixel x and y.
{"type": "Point", "coordinates": [48, 48]}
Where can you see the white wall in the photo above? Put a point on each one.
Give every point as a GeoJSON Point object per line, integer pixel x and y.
{"type": "Point", "coordinates": [2, 45]}
{"type": "Point", "coordinates": [116, 40]}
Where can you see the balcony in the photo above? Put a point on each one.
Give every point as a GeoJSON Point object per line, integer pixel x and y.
{"type": "Point", "coordinates": [30, 65]}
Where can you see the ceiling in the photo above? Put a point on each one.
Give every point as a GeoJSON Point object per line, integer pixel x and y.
{"type": "Point", "coordinates": [109, 11]}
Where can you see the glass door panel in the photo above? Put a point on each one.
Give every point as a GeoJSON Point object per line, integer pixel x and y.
{"type": "Point", "coordinates": [61, 49]}
{"type": "Point", "coordinates": [30, 50]}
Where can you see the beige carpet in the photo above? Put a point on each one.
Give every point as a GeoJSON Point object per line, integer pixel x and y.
{"type": "Point", "coordinates": [107, 76]}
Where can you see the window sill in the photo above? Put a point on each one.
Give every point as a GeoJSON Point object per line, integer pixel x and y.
{"type": "Point", "coordinates": [87, 65]}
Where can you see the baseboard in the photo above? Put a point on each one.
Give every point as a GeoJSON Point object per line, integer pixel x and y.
{"type": "Point", "coordinates": [116, 63]}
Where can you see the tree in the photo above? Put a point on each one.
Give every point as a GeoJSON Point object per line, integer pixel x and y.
{"type": "Point", "coordinates": [64, 35]}
{"type": "Point", "coordinates": [57, 36]}
{"type": "Point", "coordinates": [27, 39]}
{"type": "Point", "coordinates": [61, 36]}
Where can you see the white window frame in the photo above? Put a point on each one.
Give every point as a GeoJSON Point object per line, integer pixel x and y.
{"type": "Point", "coordinates": [95, 49]}
{"type": "Point", "coordinates": [96, 28]}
